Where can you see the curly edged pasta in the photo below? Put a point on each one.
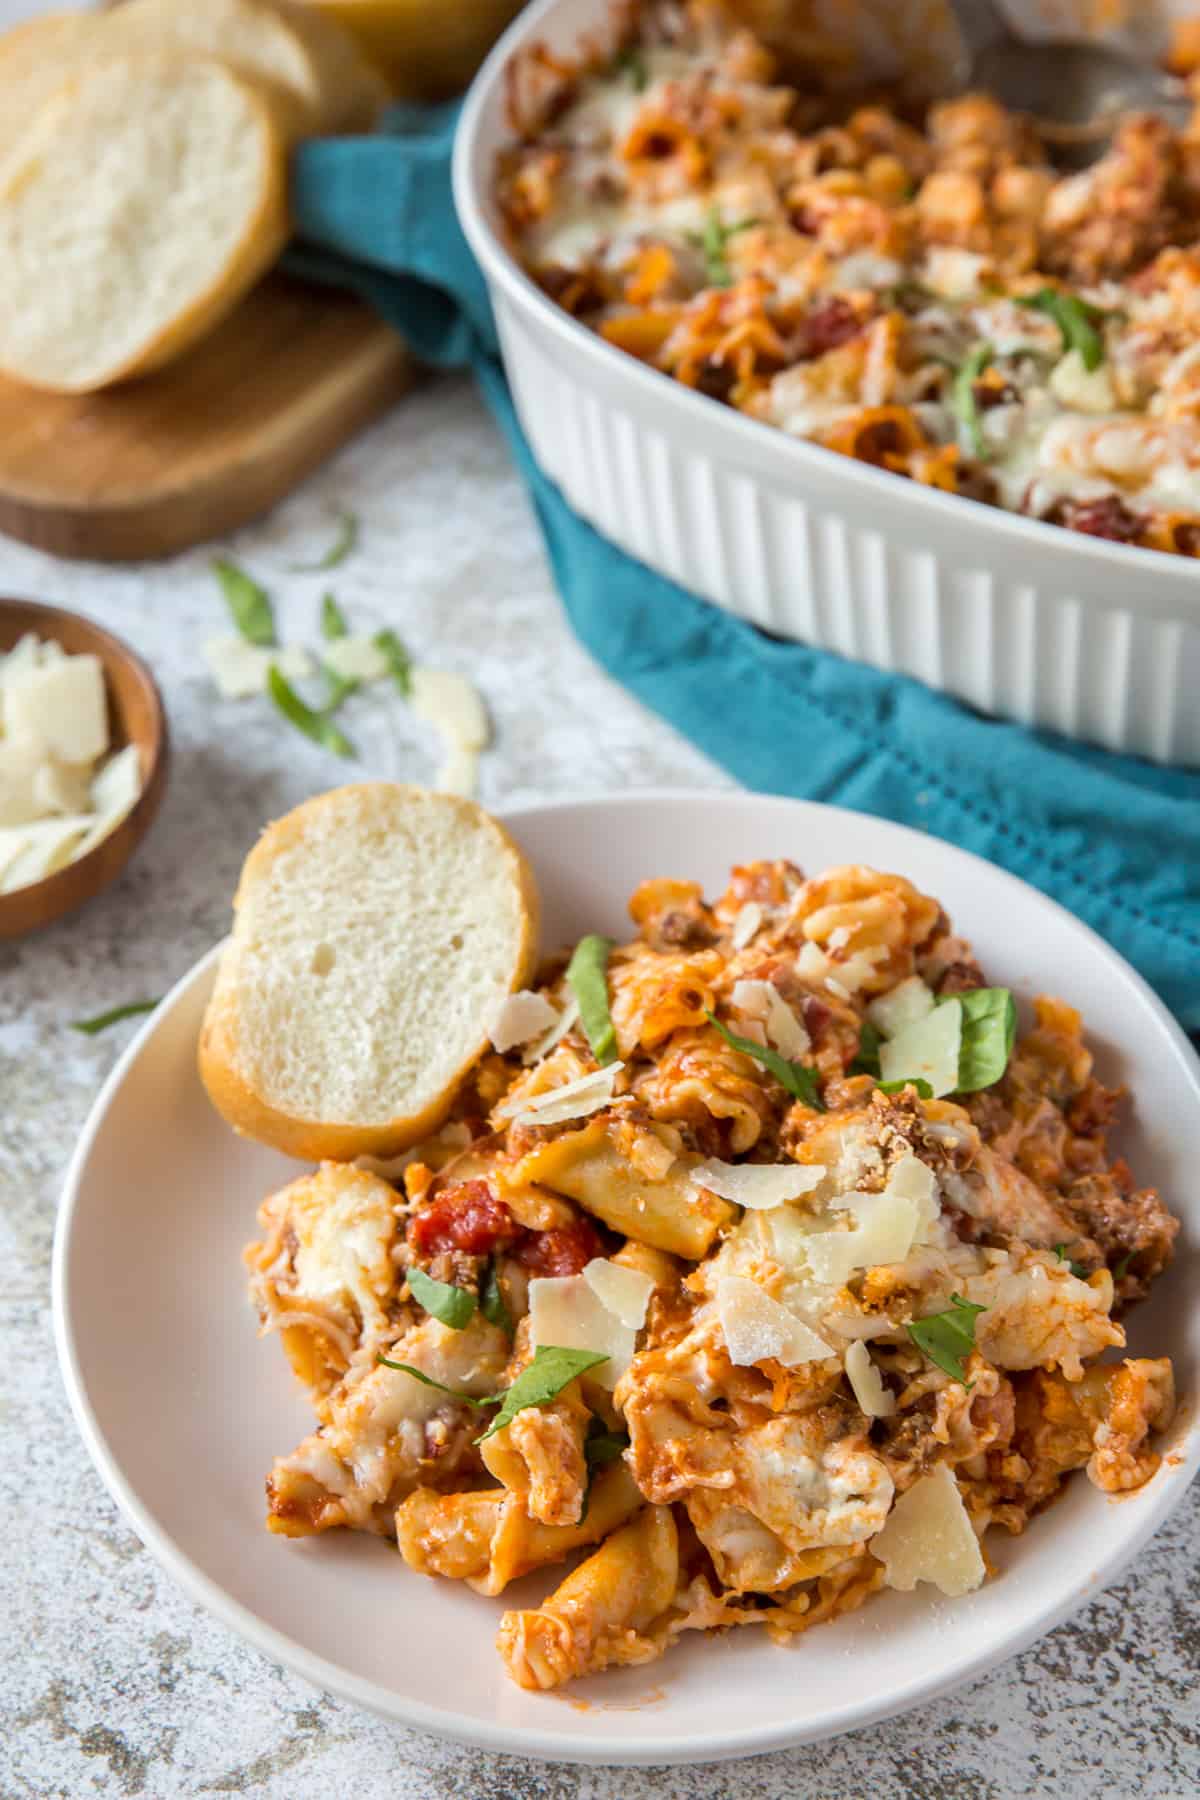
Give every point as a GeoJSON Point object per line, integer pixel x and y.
{"type": "Point", "coordinates": [933, 298]}
{"type": "Point", "coordinates": [772, 1273]}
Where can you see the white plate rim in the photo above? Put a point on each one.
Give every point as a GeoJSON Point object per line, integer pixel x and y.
{"type": "Point", "coordinates": [584, 1748]}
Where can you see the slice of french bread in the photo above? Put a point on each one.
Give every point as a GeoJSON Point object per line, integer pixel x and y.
{"type": "Point", "coordinates": [329, 84]}
{"type": "Point", "coordinates": [377, 930]}
{"type": "Point", "coordinates": [146, 197]}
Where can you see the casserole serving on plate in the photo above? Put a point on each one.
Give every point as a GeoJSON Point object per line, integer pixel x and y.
{"type": "Point", "coordinates": [1073, 629]}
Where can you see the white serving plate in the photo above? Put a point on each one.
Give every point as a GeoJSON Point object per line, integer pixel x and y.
{"type": "Point", "coordinates": [1027, 620]}
{"type": "Point", "coordinates": [182, 1408]}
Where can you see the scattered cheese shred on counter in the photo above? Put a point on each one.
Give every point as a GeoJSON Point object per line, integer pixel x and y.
{"type": "Point", "coordinates": [356, 659]}
{"type": "Point", "coordinates": [757, 1327]}
{"type": "Point", "coordinates": [58, 797]}
{"type": "Point", "coordinates": [241, 669]}
{"type": "Point", "coordinates": [928, 1537]}
{"type": "Point", "coordinates": [760, 1187]}
{"type": "Point", "coordinates": [454, 707]}
{"type": "Point", "coordinates": [459, 773]}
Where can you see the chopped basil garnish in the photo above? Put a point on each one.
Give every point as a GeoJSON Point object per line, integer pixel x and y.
{"type": "Point", "coordinates": [102, 1021]}
{"type": "Point", "coordinates": [910, 1081]}
{"type": "Point", "coordinates": [338, 551]}
{"type": "Point", "coordinates": [1077, 1269]}
{"type": "Point", "coordinates": [1121, 1269]}
{"type": "Point", "coordinates": [316, 725]}
{"type": "Point", "coordinates": [631, 62]}
{"type": "Point", "coordinates": [962, 396]}
{"type": "Point", "coordinates": [333, 619]}
{"type": "Point", "coordinates": [249, 605]}
{"type": "Point", "coordinates": [453, 1306]}
{"type": "Point", "coordinates": [866, 1061]}
{"type": "Point", "coordinates": [419, 1375]}
{"type": "Point", "coordinates": [713, 242]}
{"type": "Point", "coordinates": [602, 1446]}
{"type": "Point", "coordinates": [541, 1381]}
{"type": "Point", "coordinates": [946, 1337]}
{"type": "Point", "coordinates": [491, 1300]}
{"type": "Point", "coordinates": [801, 1082]}
{"type": "Point", "coordinates": [1078, 322]}
{"type": "Point", "coordinates": [398, 660]}
{"type": "Point", "coordinates": [989, 1031]}
{"type": "Point", "coordinates": [587, 978]}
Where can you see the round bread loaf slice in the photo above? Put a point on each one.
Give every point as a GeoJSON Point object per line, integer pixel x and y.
{"type": "Point", "coordinates": [328, 84]}
{"type": "Point", "coordinates": [140, 205]}
{"type": "Point", "coordinates": [36, 57]}
{"type": "Point", "coordinates": [377, 931]}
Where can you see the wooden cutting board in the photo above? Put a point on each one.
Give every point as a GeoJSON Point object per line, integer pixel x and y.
{"type": "Point", "coordinates": [190, 453]}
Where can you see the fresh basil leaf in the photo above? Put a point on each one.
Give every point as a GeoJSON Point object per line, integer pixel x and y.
{"type": "Point", "coordinates": [924, 1091]}
{"type": "Point", "coordinates": [102, 1021]}
{"type": "Point", "coordinates": [1078, 322]}
{"type": "Point", "coordinates": [333, 619]}
{"type": "Point", "coordinates": [1121, 1269]}
{"type": "Point", "coordinates": [338, 551]}
{"type": "Point", "coordinates": [800, 1081]}
{"type": "Point", "coordinates": [337, 688]}
{"type": "Point", "coordinates": [713, 242]}
{"type": "Point", "coordinates": [541, 1381]}
{"type": "Point", "coordinates": [453, 1306]}
{"type": "Point", "coordinates": [631, 62]}
{"type": "Point", "coordinates": [297, 712]}
{"type": "Point", "coordinates": [866, 1061]}
{"type": "Point", "coordinates": [602, 1446]}
{"type": "Point", "coordinates": [1077, 1269]}
{"type": "Point", "coordinates": [989, 1031]}
{"type": "Point", "coordinates": [962, 397]}
{"type": "Point", "coordinates": [587, 978]}
{"type": "Point", "coordinates": [419, 1375]}
{"type": "Point", "coordinates": [946, 1337]}
{"type": "Point", "coordinates": [249, 605]}
{"type": "Point", "coordinates": [491, 1300]}
{"type": "Point", "coordinates": [398, 660]}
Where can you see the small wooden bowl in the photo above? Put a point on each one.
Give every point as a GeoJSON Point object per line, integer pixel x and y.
{"type": "Point", "coordinates": [136, 716]}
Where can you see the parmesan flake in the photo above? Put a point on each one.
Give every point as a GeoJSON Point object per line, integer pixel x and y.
{"type": "Point", "coordinates": [756, 1327]}
{"type": "Point", "coordinates": [875, 1400]}
{"type": "Point", "coordinates": [521, 1016]}
{"type": "Point", "coordinates": [759, 1187]}
{"type": "Point", "coordinates": [928, 1537]}
{"type": "Point", "coordinates": [625, 1292]}
{"type": "Point", "coordinates": [565, 1310]}
{"type": "Point", "coordinates": [746, 923]}
{"type": "Point", "coordinates": [573, 1100]}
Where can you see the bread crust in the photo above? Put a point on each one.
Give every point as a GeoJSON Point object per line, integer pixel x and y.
{"type": "Point", "coordinates": [315, 1140]}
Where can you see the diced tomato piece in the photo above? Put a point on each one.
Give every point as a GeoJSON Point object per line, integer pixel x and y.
{"type": "Point", "coordinates": [562, 1251]}
{"type": "Point", "coordinates": [465, 1216]}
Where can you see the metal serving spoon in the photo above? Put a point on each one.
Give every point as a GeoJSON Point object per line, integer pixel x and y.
{"type": "Point", "coordinates": [1076, 93]}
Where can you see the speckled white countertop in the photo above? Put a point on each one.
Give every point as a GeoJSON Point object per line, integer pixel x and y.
{"type": "Point", "coordinates": [110, 1682]}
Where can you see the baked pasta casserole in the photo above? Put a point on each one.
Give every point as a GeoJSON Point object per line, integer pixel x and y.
{"type": "Point", "coordinates": [916, 286]}
{"type": "Point", "coordinates": [760, 1265]}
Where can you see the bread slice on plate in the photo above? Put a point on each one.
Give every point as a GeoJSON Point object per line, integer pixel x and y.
{"type": "Point", "coordinates": [36, 57]}
{"type": "Point", "coordinates": [146, 198]}
{"type": "Point", "coordinates": [328, 84]}
{"type": "Point", "coordinates": [377, 931]}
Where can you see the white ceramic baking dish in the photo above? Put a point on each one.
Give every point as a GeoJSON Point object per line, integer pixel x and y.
{"type": "Point", "coordinates": [1094, 639]}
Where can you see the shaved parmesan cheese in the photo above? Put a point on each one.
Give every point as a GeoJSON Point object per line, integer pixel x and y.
{"type": "Point", "coordinates": [61, 707]}
{"type": "Point", "coordinates": [117, 786]}
{"type": "Point", "coordinates": [625, 1292]}
{"type": "Point", "coordinates": [20, 763]}
{"type": "Point", "coordinates": [928, 1537]}
{"type": "Point", "coordinates": [564, 1310]}
{"type": "Point", "coordinates": [240, 669]}
{"type": "Point", "coordinates": [876, 1400]}
{"type": "Point", "coordinates": [886, 1226]}
{"type": "Point", "coordinates": [840, 978]}
{"type": "Point", "coordinates": [355, 659]}
{"type": "Point", "coordinates": [521, 1016]}
{"type": "Point", "coordinates": [757, 1186]}
{"type": "Point", "coordinates": [903, 1006]}
{"type": "Point", "coordinates": [574, 1100]}
{"type": "Point", "coordinates": [450, 702]}
{"type": "Point", "coordinates": [48, 847]}
{"type": "Point", "coordinates": [62, 788]}
{"type": "Point", "coordinates": [459, 773]}
{"type": "Point", "coordinates": [762, 1000]}
{"type": "Point", "coordinates": [557, 1032]}
{"type": "Point", "coordinates": [756, 1327]}
{"type": "Point", "coordinates": [13, 843]}
{"type": "Point", "coordinates": [746, 923]}
{"type": "Point", "coordinates": [927, 1050]}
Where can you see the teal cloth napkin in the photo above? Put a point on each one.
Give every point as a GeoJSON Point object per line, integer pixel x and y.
{"type": "Point", "coordinates": [1113, 838]}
